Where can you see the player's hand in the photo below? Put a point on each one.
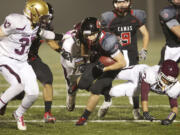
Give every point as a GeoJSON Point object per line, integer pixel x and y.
{"type": "Point", "coordinates": [166, 122]}
{"type": "Point", "coordinates": [98, 69]}
{"type": "Point", "coordinates": [147, 116]}
{"type": "Point", "coordinates": [170, 119]}
{"type": "Point", "coordinates": [142, 54]}
{"type": "Point", "coordinates": [100, 66]}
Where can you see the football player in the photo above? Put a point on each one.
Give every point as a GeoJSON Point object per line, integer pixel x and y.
{"type": "Point", "coordinates": [161, 80]}
{"type": "Point", "coordinates": [96, 78]}
{"type": "Point", "coordinates": [18, 32]}
{"type": "Point", "coordinates": [125, 22]}
{"type": "Point", "coordinates": [170, 22]}
{"type": "Point", "coordinates": [72, 61]}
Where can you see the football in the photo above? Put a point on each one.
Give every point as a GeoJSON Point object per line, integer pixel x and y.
{"type": "Point", "coordinates": [106, 61]}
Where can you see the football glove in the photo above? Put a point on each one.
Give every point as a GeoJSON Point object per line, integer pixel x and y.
{"type": "Point", "coordinates": [98, 69]}
{"type": "Point", "coordinates": [169, 119]}
{"type": "Point", "coordinates": [142, 54]}
{"type": "Point", "coordinates": [147, 116]}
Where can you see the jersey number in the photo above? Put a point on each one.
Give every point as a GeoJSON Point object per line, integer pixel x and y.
{"type": "Point", "coordinates": [125, 38]}
{"type": "Point", "coordinates": [24, 43]}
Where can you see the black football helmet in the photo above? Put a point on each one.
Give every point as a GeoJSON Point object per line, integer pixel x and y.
{"type": "Point", "coordinates": [168, 74]}
{"type": "Point", "coordinates": [90, 25]}
{"type": "Point", "coordinates": [121, 10]}
{"type": "Point", "coordinates": [45, 21]}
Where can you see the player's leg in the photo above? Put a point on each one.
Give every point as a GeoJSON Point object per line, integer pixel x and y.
{"type": "Point", "coordinates": [31, 89]}
{"type": "Point", "coordinates": [70, 78]}
{"type": "Point", "coordinates": [44, 75]}
{"type": "Point", "coordinates": [101, 86]}
{"type": "Point", "coordinates": [11, 74]}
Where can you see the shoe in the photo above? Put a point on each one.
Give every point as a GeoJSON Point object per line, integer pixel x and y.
{"type": "Point", "coordinates": [137, 115]}
{"type": "Point", "coordinates": [104, 108]}
{"type": "Point", "coordinates": [3, 110]}
{"type": "Point", "coordinates": [70, 101]}
{"type": "Point", "coordinates": [20, 122]}
{"type": "Point", "coordinates": [49, 118]}
{"type": "Point", "coordinates": [81, 121]}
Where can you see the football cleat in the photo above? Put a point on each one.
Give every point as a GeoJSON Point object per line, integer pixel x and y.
{"type": "Point", "coordinates": [70, 101]}
{"type": "Point", "coordinates": [20, 122]}
{"type": "Point", "coordinates": [49, 118]}
{"type": "Point", "coordinates": [81, 121]}
{"type": "Point", "coordinates": [3, 109]}
{"type": "Point", "coordinates": [136, 114]}
{"type": "Point", "coordinates": [104, 109]}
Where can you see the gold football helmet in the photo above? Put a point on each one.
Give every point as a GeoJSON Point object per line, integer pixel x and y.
{"type": "Point", "coordinates": [35, 9]}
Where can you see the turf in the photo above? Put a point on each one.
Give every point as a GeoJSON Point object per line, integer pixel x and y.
{"type": "Point", "coordinates": [118, 121]}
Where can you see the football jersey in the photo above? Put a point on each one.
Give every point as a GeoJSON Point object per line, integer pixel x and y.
{"type": "Point", "coordinates": [124, 26]}
{"type": "Point", "coordinates": [20, 35]}
{"type": "Point", "coordinates": [169, 17]}
{"type": "Point", "coordinates": [106, 45]}
{"type": "Point", "coordinates": [150, 76]}
{"type": "Point", "coordinates": [71, 45]}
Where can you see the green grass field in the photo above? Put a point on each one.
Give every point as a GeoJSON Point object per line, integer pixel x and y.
{"type": "Point", "coordinates": [118, 121]}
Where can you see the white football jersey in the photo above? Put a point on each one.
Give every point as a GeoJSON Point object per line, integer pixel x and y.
{"type": "Point", "coordinates": [150, 76]}
{"type": "Point", "coordinates": [70, 45]}
{"type": "Point", "coordinates": [19, 37]}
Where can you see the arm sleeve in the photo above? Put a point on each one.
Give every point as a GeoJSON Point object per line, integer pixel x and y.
{"type": "Point", "coordinates": [145, 88]}
{"type": "Point", "coordinates": [173, 102]}
{"type": "Point", "coordinates": [8, 27]}
{"type": "Point", "coordinates": [111, 44]}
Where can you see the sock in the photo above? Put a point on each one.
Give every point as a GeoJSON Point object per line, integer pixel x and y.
{"type": "Point", "coordinates": [86, 114]}
{"type": "Point", "coordinates": [27, 102]}
{"type": "Point", "coordinates": [136, 102]}
{"type": "Point", "coordinates": [48, 106]}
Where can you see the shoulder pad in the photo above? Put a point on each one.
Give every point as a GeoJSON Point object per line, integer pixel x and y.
{"type": "Point", "coordinates": [110, 43]}
{"type": "Point", "coordinates": [167, 13]}
{"type": "Point", "coordinates": [15, 20]}
{"type": "Point", "coordinates": [150, 73]}
{"type": "Point", "coordinates": [106, 18]}
{"type": "Point", "coordinates": [140, 15]}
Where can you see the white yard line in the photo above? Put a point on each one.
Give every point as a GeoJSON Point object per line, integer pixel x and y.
{"type": "Point", "coordinates": [83, 106]}
{"type": "Point", "coordinates": [93, 121]}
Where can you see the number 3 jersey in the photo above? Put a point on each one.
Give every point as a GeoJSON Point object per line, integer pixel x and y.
{"type": "Point", "coordinates": [19, 36]}
{"type": "Point", "coordinates": [150, 76]}
{"type": "Point", "coordinates": [125, 27]}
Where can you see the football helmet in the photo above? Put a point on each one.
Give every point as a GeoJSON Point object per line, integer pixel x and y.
{"type": "Point", "coordinates": [35, 9]}
{"type": "Point", "coordinates": [168, 74]}
{"type": "Point", "coordinates": [90, 29]}
{"type": "Point", "coordinates": [121, 9]}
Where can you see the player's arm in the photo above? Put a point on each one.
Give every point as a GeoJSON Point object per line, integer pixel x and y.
{"type": "Point", "coordinates": [2, 34]}
{"type": "Point", "coordinates": [174, 111]}
{"type": "Point", "coordinates": [119, 64]}
{"type": "Point", "coordinates": [145, 35]}
{"type": "Point", "coordinates": [176, 29]}
{"type": "Point", "coordinates": [54, 45]}
{"type": "Point", "coordinates": [145, 88]}
{"type": "Point", "coordinates": [169, 18]}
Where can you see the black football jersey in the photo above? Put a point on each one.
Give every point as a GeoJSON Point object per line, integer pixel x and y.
{"type": "Point", "coordinates": [125, 27]}
{"type": "Point", "coordinates": [33, 52]}
{"type": "Point", "coordinates": [170, 16]}
{"type": "Point", "coordinates": [106, 45]}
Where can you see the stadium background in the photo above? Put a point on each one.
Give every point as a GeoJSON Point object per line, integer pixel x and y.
{"type": "Point", "coordinates": [68, 12]}
{"type": "Point", "coordinates": [119, 120]}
